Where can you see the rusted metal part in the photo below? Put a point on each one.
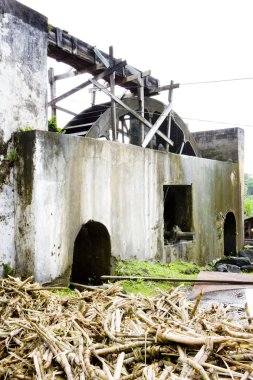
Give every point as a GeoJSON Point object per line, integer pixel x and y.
{"type": "Point", "coordinates": [176, 234]}
{"type": "Point", "coordinates": [215, 281]}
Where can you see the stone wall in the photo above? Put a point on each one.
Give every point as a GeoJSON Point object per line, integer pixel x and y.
{"type": "Point", "coordinates": [121, 186]}
{"type": "Point", "coordinates": [23, 99]}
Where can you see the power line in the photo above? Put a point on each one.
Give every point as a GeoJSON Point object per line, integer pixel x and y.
{"type": "Point", "coordinates": [217, 122]}
{"type": "Point", "coordinates": [216, 81]}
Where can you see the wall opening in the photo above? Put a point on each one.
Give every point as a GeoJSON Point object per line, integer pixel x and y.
{"type": "Point", "coordinates": [92, 254]}
{"type": "Point", "coordinates": [230, 234]}
{"type": "Point", "coordinates": [177, 213]}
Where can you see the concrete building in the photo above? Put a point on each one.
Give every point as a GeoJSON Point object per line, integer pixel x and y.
{"type": "Point", "coordinates": [71, 205]}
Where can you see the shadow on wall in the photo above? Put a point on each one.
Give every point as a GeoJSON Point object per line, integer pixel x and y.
{"type": "Point", "coordinates": [230, 234]}
{"type": "Point", "coordinates": [92, 254]}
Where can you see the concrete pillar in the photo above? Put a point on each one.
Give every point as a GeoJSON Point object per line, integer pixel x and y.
{"type": "Point", "coordinates": [23, 100]}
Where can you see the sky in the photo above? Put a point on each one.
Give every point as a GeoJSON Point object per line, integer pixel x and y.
{"type": "Point", "coordinates": [186, 41]}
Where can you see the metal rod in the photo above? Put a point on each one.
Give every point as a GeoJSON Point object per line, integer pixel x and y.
{"type": "Point", "coordinates": [167, 279]}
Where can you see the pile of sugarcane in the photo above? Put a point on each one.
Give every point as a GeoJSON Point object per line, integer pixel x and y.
{"type": "Point", "coordinates": [102, 333]}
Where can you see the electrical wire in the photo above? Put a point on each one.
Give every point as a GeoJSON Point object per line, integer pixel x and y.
{"type": "Point", "coordinates": [216, 81]}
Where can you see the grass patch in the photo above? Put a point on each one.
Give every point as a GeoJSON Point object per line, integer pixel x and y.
{"type": "Point", "coordinates": [65, 292]}
{"type": "Point", "coordinates": [176, 269]}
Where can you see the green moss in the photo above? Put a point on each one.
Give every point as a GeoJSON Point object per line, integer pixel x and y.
{"type": "Point", "coordinates": [146, 288]}
{"type": "Point", "coordinates": [148, 268]}
{"type": "Point", "coordinates": [176, 269]}
{"type": "Point", "coordinates": [65, 292]}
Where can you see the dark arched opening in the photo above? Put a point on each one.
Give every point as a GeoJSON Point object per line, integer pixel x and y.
{"type": "Point", "coordinates": [92, 254]}
{"type": "Point", "coordinates": [230, 234]}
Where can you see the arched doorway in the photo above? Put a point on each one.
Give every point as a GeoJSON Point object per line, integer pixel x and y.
{"type": "Point", "coordinates": [230, 234]}
{"type": "Point", "coordinates": [92, 254]}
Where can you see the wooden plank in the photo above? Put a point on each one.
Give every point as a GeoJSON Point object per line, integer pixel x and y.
{"type": "Point", "coordinates": [68, 74]}
{"type": "Point", "coordinates": [146, 73]}
{"type": "Point", "coordinates": [190, 280]}
{"type": "Point", "coordinates": [105, 73]}
{"type": "Point", "coordinates": [105, 62]}
{"type": "Point", "coordinates": [130, 78]}
{"type": "Point", "coordinates": [155, 127]}
{"type": "Point", "coordinates": [129, 109]}
{"type": "Point", "coordinates": [164, 88]}
{"type": "Point", "coordinates": [65, 110]}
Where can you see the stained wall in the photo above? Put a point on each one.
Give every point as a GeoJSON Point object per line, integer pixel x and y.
{"type": "Point", "coordinates": [23, 97]}
{"type": "Point", "coordinates": [76, 180]}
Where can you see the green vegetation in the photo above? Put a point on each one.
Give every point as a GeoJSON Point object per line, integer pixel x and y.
{"type": "Point", "coordinates": [26, 129]}
{"type": "Point", "coordinates": [65, 292]}
{"type": "Point", "coordinates": [7, 270]}
{"type": "Point", "coordinates": [12, 155]}
{"type": "Point", "coordinates": [248, 195]}
{"type": "Point", "coordinates": [53, 127]}
{"type": "Point", "coordinates": [176, 269]}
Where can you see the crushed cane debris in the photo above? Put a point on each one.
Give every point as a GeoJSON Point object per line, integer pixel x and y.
{"type": "Point", "coordinates": [105, 334]}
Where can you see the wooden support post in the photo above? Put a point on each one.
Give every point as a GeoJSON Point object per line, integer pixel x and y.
{"type": "Point", "coordinates": [156, 126]}
{"type": "Point", "coordinates": [141, 107]}
{"type": "Point", "coordinates": [169, 117]}
{"type": "Point", "coordinates": [133, 112]}
{"type": "Point", "coordinates": [113, 105]}
{"type": "Point", "coordinates": [93, 97]}
{"type": "Point", "coordinates": [52, 83]}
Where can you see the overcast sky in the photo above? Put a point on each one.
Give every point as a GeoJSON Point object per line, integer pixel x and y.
{"type": "Point", "coordinates": [182, 40]}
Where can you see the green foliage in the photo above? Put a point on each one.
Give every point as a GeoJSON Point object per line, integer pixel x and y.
{"type": "Point", "coordinates": [248, 195]}
{"type": "Point", "coordinates": [176, 269]}
{"type": "Point", "coordinates": [65, 292]}
{"type": "Point", "coordinates": [53, 127]}
{"type": "Point", "coordinates": [12, 155]}
{"type": "Point", "coordinates": [26, 129]}
{"type": "Point", "coordinates": [248, 206]}
{"type": "Point", "coordinates": [7, 270]}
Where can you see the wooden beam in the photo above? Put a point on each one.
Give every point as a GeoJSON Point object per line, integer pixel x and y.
{"type": "Point", "coordinates": [51, 80]}
{"type": "Point", "coordinates": [105, 62]}
{"type": "Point", "coordinates": [65, 110]}
{"type": "Point", "coordinates": [68, 74]}
{"type": "Point", "coordinates": [167, 279]}
{"type": "Point", "coordinates": [155, 127]}
{"type": "Point", "coordinates": [105, 73]}
{"type": "Point", "coordinates": [129, 109]}
{"type": "Point", "coordinates": [80, 55]}
{"type": "Point", "coordinates": [141, 107]}
{"type": "Point", "coordinates": [130, 78]}
{"type": "Point", "coordinates": [164, 88]}
{"type": "Point", "coordinates": [113, 105]}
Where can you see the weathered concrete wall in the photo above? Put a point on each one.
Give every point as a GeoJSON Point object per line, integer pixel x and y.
{"type": "Point", "coordinates": [76, 180]}
{"type": "Point", "coordinates": [225, 145]}
{"type": "Point", "coordinates": [222, 144]}
{"type": "Point", "coordinates": [23, 78]}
